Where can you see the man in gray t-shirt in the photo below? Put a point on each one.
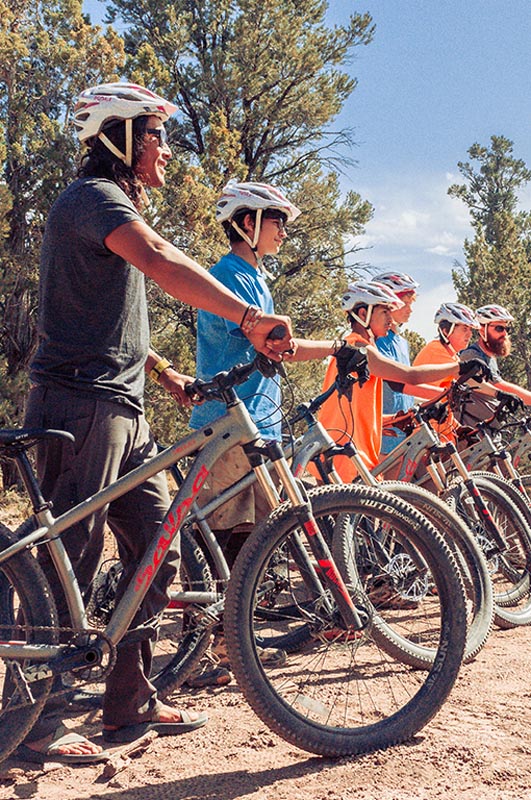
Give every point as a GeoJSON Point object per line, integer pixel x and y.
{"type": "Point", "coordinates": [494, 341]}
{"type": "Point", "coordinates": [88, 378]}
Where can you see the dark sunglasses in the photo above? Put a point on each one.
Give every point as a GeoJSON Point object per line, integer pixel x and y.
{"type": "Point", "coordinates": [160, 133]}
{"type": "Point", "coordinates": [501, 328]}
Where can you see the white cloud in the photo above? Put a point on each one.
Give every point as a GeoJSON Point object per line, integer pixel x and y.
{"type": "Point", "coordinates": [417, 228]}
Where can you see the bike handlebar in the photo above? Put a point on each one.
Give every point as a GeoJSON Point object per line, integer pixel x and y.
{"type": "Point", "coordinates": [224, 381]}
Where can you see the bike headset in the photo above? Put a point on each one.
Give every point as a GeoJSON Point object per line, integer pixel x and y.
{"type": "Point", "coordinates": [491, 313]}
{"type": "Point", "coordinates": [99, 106]}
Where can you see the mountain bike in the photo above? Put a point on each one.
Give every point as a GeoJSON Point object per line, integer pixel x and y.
{"type": "Point", "coordinates": [406, 610]}
{"type": "Point", "coordinates": [488, 504]}
{"type": "Point", "coordinates": [340, 695]}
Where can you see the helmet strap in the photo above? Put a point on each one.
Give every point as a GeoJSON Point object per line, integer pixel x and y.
{"type": "Point", "coordinates": [483, 332]}
{"type": "Point", "coordinates": [253, 243]}
{"type": "Point", "coordinates": [128, 157]}
{"type": "Point", "coordinates": [446, 336]}
{"type": "Point", "coordinates": [367, 321]}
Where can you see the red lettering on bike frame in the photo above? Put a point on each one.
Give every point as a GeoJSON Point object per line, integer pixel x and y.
{"type": "Point", "coordinates": [411, 467]}
{"type": "Point", "coordinates": [171, 527]}
{"type": "Point", "coordinates": [310, 526]}
{"type": "Point", "coordinates": [330, 569]}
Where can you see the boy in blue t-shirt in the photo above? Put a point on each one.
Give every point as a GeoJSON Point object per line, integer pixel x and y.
{"type": "Point", "coordinates": [254, 216]}
{"type": "Point", "coordinates": [396, 347]}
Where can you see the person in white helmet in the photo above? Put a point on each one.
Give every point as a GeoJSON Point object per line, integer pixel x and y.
{"type": "Point", "coordinates": [495, 342]}
{"type": "Point", "coordinates": [456, 324]}
{"type": "Point", "coordinates": [369, 306]}
{"type": "Point", "coordinates": [396, 346]}
{"type": "Point", "coordinates": [87, 377]}
{"type": "Point", "coordinates": [255, 217]}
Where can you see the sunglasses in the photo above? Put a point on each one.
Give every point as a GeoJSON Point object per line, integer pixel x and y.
{"type": "Point", "coordinates": [501, 328]}
{"type": "Point", "coordinates": [277, 217]}
{"type": "Point", "coordinates": [160, 133]}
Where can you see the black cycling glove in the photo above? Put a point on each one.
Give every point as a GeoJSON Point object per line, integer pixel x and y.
{"type": "Point", "coordinates": [351, 360]}
{"type": "Point", "coordinates": [474, 368]}
{"type": "Point", "coordinates": [510, 401]}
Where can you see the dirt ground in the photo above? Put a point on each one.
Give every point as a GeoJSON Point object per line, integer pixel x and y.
{"type": "Point", "coordinates": [478, 748]}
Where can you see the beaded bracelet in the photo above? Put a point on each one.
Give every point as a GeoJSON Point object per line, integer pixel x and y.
{"type": "Point", "coordinates": [250, 319]}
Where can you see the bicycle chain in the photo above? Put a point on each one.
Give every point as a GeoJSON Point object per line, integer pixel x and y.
{"type": "Point", "coordinates": [93, 674]}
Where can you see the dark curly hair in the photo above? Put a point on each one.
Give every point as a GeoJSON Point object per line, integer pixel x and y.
{"type": "Point", "coordinates": [99, 162]}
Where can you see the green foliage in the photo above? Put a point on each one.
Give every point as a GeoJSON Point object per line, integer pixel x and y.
{"type": "Point", "coordinates": [497, 265]}
{"type": "Point", "coordinates": [257, 86]}
{"type": "Point", "coordinates": [491, 188]}
{"type": "Point", "coordinates": [48, 53]}
{"type": "Point", "coordinates": [416, 342]}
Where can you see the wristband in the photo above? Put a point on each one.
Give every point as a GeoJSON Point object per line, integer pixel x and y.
{"type": "Point", "coordinates": [156, 371]}
{"type": "Point", "coordinates": [250, 319]}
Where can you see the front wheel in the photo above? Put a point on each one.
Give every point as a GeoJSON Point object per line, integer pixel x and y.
{"type": "Point", "coordinates": [27, 615]}
{"type": "Point", "coordinates": [510, 569]}
{"type": "Point", "coordinates": [342, 693]}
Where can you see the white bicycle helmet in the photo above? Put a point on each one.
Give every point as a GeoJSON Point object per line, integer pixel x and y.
{"type": "Point", "coordinates": [255, 196]}
{"type": "Point", "coordinates": [399, 282]}
{"type": "Point", "coordinates": [491, 313]}
{"type": "Point", "coordinates": [369, 293]}
{"type": "Point", "coordinates": [117, 101]}
{"type": "Point", "coordinates": [454, 314]}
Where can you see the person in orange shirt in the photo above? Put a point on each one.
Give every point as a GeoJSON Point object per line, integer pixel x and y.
{"type": "Point", "coordinates": [369, 306]}
{"type": "Point", "coordinates": [455, 326]}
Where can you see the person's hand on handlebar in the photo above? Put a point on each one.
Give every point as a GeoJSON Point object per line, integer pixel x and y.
{"type": "Point", "coordinates": [510, 402]}
{"type": "Point", "coordinates": [349, 360]}
{"type": "Point", "coordinates": [275, 347]}
{"type": "Point", "coordinates": [474, 369]}
{"type": "Point", "coordinates": [174, 383]}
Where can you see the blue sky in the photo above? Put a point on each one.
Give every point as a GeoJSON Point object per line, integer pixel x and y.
{"type": "Point", "coordinates": [438, 76]}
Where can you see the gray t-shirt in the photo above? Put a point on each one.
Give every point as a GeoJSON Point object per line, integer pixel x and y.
{"type": "Point", "coordinates": [479, 407]}
{"type": "Point", "coordinates": [93, 322]}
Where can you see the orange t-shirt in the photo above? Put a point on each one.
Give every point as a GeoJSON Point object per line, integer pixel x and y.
{"type": "Point", "coordinates": [435, 352]}
{"type": "Point", "coordinates": [359, 420]}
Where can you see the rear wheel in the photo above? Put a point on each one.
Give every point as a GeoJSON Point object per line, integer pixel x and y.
{"type": "Point", "coordinates": [27, 615]}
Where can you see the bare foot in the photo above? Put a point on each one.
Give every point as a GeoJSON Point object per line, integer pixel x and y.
{"type": "Point", "coordinates": [81, 748]}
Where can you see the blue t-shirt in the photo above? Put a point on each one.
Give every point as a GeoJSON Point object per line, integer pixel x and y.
{"type": "Point", "coordinates": [396, 347]}
{"type": "Point", "coordinates": [221, 345]}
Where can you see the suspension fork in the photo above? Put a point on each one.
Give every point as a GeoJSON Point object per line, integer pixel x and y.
{"type": "Point", "coordinates": [480, 506]}
{"type": "Point", "coordinates": [329, 573]}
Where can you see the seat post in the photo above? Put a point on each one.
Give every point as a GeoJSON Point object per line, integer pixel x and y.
{"type": "Point", "coordinates": [30, 481]}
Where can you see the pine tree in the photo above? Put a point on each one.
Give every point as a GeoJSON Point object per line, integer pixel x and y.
{"type": "Point", "coordinates": [497, 265]}
{"type": "Point", "coordinates": [48, 52]}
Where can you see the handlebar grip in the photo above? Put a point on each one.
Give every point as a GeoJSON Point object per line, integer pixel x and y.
{"type": "Point", "coordinates": [278, 332]}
